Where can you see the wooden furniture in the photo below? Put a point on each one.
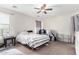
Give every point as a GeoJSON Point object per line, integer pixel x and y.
{"type": "Point", "coordinates": [13, 41]}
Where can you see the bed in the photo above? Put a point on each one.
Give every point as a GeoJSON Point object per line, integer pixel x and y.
{"type": "Point", "coordinates": [32, 40]}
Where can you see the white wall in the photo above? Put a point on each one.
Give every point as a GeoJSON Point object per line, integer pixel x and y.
{"type": "Point", "coordinates": [20, 22]}
{"type": "Point", "coordinates": [62, 24]}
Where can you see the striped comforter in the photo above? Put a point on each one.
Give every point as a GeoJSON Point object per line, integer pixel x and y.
{"type": "Point", "coordinates": [32, 39]}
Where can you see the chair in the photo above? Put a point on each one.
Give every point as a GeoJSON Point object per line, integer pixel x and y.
{"type": "Point", "coordinates": [53, 33]}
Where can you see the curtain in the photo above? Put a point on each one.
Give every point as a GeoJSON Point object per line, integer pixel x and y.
{"type": "Point", "coordinates": [75, 26]}
{"type": "Point", "coordinates": [76, 22]}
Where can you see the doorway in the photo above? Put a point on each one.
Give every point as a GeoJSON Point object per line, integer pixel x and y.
{"type": "Point", "coordinates": [38, 26]}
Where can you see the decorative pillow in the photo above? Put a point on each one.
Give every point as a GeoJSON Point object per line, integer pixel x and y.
{"type": "Point", "coordinates": [30, 31]}
{"type": "Point", "coordinates": [42, 31]}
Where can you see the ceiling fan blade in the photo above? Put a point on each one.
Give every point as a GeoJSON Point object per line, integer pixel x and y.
{"type": "Point", "coordinates": [45, 12]}
{"type": "Point", "coordinates": [38, 11]}
{"type": "Point", "coordinates": [49, 9]}
{"type": "Point", "coordinates": [37, 8]}
{"type": "Point", "coordinates": [43, 6]}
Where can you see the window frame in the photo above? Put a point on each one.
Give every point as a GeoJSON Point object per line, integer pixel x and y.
{"type": "Point", "coordinates": [8, 28]}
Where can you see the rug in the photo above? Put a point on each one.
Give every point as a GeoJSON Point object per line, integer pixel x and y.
{"type": "Point", "coordinates": [12, 51]}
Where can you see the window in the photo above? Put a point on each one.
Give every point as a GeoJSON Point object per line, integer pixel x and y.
{"type": "Point", "coordinates": [4, 23]}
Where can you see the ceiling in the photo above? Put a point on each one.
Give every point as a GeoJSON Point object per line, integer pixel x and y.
{"type": "Point", "coordinates": [28, 9]}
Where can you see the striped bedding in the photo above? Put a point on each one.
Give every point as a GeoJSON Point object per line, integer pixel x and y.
{"type": "Point", "coordinates": [33, 40]}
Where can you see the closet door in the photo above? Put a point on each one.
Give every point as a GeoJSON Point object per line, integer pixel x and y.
{"type": "Point", "coordinates": [38, 26]}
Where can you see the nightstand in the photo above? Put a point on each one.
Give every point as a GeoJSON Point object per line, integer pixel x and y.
{"type": "Point", "coordinates": [12, 39]}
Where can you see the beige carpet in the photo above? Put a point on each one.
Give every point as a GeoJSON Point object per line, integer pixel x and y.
{"type": "Point", "coordinates": [53, 48]}
{"type": "Point", "coordinates": [11, 51]}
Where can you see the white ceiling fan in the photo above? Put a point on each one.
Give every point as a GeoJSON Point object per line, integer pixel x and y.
{"type": "Point", "coordinates": [43, 9]}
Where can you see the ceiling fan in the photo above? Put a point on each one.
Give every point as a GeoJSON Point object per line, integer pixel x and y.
{"type": "Point", "coordinates": [43, 9]}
